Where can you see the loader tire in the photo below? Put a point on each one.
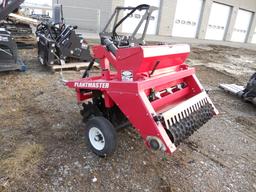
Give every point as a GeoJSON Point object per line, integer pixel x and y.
{"type": "Point", "coordinates": [100, 136]}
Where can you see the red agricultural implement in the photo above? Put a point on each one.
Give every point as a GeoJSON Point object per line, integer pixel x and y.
{"type": "Point", "coordinates": [150, 87]}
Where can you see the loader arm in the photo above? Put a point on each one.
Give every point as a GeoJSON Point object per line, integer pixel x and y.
{"type": "Point", "coordinates": [8, 6]}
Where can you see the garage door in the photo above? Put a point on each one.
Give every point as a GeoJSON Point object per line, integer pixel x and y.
{"type": "Point", "coordinates": [187, 18]}
{"type": "Point", "coordinates": [131, 23]}
{"type": "Point", "coordinates": [242, 25]}
{"type": "Point", "coordinates": [218, 21]}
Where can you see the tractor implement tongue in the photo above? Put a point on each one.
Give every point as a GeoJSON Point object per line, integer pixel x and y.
{"type": "Point", "coordinates": [151, 87]}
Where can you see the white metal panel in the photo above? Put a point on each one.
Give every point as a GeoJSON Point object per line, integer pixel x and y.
{"type": "Point", "coordinates": [37, 11]}
{"type": "Point", "coordinates": [131, 23]}
{"type": "Point", "coordinates": [187, 18]}
{"type": "Point", "coordinates": [254, 36]}
{"type": "Point", "coordinates": [153, 51]}
{"type": "Point", "coordinates": [218, 21]}
{"type": "Point", "coordinates": [242, 24]}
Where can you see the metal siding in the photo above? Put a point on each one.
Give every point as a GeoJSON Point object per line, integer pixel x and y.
{"type": "Point", "coordinates": [81, 15]}
{"type": "Point", "coordinates": [254, 36]}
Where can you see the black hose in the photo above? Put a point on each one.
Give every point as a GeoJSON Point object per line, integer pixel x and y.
{"type": "Point", "coordinates": [110, 46]}
{"type": "Point", "coordinates": [86, 72]}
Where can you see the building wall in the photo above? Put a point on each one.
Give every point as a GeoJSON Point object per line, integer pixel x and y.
{"type": "Point", "coordinates": [166, 16]}
{"type": "Point", "coordinates": [168, 11]}
{"type": "Point", "coordinates": [249, 5]}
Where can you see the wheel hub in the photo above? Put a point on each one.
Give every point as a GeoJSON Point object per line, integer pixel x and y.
{"type": "Point", "coordinates": [96, 138]}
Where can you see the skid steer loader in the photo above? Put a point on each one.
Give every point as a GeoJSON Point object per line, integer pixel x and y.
{"type": "Point", "coordinates": [58, 41]}
{"type": "Point", "coordinates": [151, 88]}
{"type": "Point", "coordinates": [9, 59]}
{"type": "Point", "coordinates": [247, 93]}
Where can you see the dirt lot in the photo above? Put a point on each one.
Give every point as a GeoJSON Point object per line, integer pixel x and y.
{"type": "Point", "coordinates": [42, 145]}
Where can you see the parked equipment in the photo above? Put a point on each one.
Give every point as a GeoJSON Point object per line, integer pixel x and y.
{"type": "Point", "coordinates": [247, 93]}
{"type": "Point", "coordinates": [9, 59]}
{"type": "Point", "coordinates": [59, 42]}
{"type": "Point", "coordinates": [16, 24]}
{"type": "Point", "coordinates": [127, 40]}
{"type": "Point", "coordinates": [40, 17]}
{"type": "Point", "coordinates": [152, 89]}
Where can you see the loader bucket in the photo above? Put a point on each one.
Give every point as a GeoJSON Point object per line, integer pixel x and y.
{"type": "Point", "coordinates": [9, 59]}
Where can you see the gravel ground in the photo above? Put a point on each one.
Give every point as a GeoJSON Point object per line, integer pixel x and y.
{"type": "Point", "coordinates": [42, 144]}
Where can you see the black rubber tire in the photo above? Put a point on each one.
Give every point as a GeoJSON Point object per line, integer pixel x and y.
{"type": "Point", "coordinates": [109, 134]}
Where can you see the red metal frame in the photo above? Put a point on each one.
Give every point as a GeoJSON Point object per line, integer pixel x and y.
{"type": "Point", "coordinates": [132, 97]}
